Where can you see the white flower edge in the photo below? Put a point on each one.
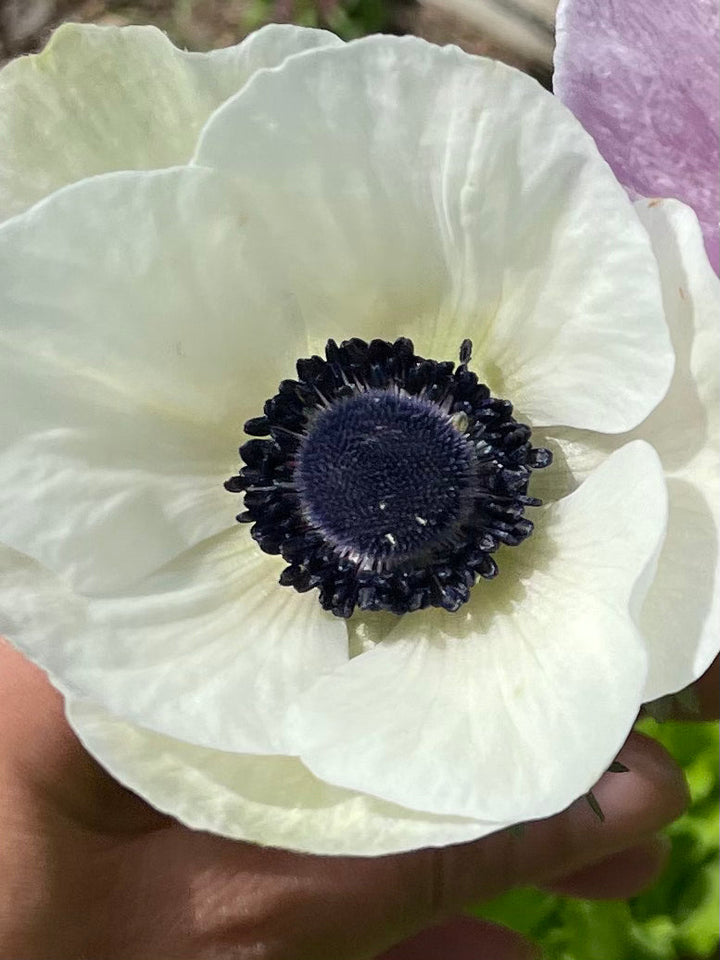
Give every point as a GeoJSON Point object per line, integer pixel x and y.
{"type": "Point", "coordinates": [680, 619]}
{"type": "Point", "coordinates": [272, 801]}
{"type": "Point", "coordinates": [99, 98]}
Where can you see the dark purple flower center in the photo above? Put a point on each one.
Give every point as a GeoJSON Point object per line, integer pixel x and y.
{"type": "Point", "coordinates": [387, 480]}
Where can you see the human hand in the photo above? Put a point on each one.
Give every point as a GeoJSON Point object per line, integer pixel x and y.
{"type": "Point", "coordinates": [90, 871]}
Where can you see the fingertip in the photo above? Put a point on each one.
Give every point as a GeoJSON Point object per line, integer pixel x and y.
{"type": "Point", "coordinates": [620, 876]}
{"type": "Point", "coordinates": [651, 794]}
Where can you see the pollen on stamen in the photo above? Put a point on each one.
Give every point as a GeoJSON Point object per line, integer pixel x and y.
{"type": "Point", "coordinates": [385, 480]}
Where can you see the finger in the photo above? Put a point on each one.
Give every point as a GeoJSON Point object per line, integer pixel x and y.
{"type": "Point", "coordinates": [464, 938]}
{"type": "Point", "coordinates": [619, 876]}
{"type": "Point", "coordinates": [368, 904]}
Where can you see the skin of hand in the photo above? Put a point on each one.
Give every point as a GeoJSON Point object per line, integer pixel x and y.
{"type": "Point", "coordinates": [88, 871]}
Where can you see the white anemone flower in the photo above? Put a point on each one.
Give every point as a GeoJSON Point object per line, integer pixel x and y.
{"type": "Point", "coordinates": [180, 229]}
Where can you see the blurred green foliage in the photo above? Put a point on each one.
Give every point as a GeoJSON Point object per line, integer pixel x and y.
{"type": "Point", "coordinates": [347, 18]}
{"type": "Point", "coordinates": [678, 918]}
{"type": "Point", "coordinates": [356, 18]}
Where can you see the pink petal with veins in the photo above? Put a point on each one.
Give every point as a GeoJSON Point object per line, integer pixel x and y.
{"type": "Point", "coordinates": [642, 77]}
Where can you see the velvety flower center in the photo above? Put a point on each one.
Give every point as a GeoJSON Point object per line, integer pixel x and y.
{"type": "Point", "coordinates": [387, 480]}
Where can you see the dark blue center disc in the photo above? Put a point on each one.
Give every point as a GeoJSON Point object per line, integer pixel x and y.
{"type": "Point", "coordinates": [383, 475]}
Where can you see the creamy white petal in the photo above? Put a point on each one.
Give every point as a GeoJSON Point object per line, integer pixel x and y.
{"type": "Point", "coordinates": [210, 649]}
{"type": "Point", "coordinates": [141, 328]}
{"type": "Point", "coordinates": [513, 707]}
{"type": "Point", "coordinates": [98, 487]}
{"type": "Point", "coordinates": [99, 99]}
{"type": "Point", "coordinates": [681, 617]}
{"type": "Point", "coordinates": [274, 801]}
{"type": "Point", "coordinates": [416, 190]}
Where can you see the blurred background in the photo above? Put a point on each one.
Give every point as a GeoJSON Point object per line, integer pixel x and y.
{"type": "Point", "coordinates": [678, 918]}
{"type": "Point", "coordinates": [517, 31]}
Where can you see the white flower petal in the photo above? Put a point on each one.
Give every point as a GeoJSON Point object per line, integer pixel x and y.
{"type": "Point", "coordinates": [417, 190]}
{"type": "Point", "coordinates": [274, 801]}
{"type": "Point", "coordinates": [99, 99]}
{"type": "Point", "coordinates": [136, 303]}
{"type": "Point", "coordinates": [681, 616]}
{"type": "Point", "coordinates": [513, 707]}
{"type": "Point", "coordinates": [100, 495]}
{"type": "Point", "coordinates": [210, 649]}
{"type": "Point", "coordinates": [102, 489]}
